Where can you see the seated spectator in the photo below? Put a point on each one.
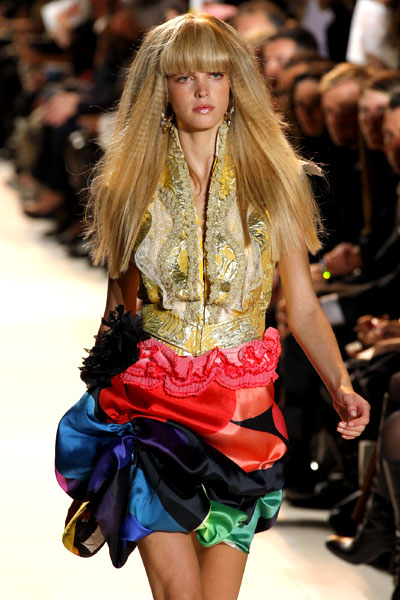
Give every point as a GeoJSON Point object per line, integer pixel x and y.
{"type": "Point", "coordinates": [374, 297]}
{"type": "Point", "coordinates": [62, 113]}
{"type": "Point", "coordinates": [295, 68]}
{"type": "Point", "coordinates": [148, 14]}
{"type": "Point", "coordinates": [337, 32]}
{"type": "Point", "coordinates": [379, 179]}
{"type": "Point", "coordinates": [256, 41]}
{"type": "Point", "coordinates": [307, 115]}
{"type": "Point", "coordinates": [258, 16]}
{"type": "Point", "coordinates": [310, 134]}
{"type": "Point", "coordinates": [284, 47]}
{"type": "Point", "coordinates": [62, 120]}
{"type": "Point", "coordinates": [391, 132]}
{"type": "Point", "coordinates": [385, 259]}
{"type": "Point", "coordinates": [373, 40]}
{"type": "Point", "coordinates": [340, 89]}
{"type": "Point", "coordinates": [379, 533]}
{"type": "Point", "coordinates": [380, 294]}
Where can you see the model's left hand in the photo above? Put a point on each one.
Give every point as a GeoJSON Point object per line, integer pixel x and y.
{"type": "Point", "coordinates": [353, 411]}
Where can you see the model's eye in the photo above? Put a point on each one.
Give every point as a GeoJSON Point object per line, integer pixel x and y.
{"type": "Point", "coordinates": [183, 78]}
{"type": "Point", "coordinates": [216, 75]}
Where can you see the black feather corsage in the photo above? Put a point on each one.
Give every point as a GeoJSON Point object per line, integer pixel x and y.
{"type": "Point", "coordinates": [115, 349]}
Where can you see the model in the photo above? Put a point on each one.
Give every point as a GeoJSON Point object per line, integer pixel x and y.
{"type": "Point", "coordinates": [177, 445]}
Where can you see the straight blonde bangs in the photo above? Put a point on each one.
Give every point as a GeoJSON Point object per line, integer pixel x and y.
{"type": "Point", "coordinates": [195, 45]}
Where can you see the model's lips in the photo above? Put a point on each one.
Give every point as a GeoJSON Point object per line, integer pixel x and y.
{"type": "Point", "coordinates": [203, 108]}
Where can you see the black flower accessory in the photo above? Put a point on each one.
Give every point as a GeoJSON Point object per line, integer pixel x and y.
{"type": "Point", "coordinates": [115, 349]}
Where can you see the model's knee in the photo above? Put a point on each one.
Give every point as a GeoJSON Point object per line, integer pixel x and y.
{"type": "Point", "coordinates": [179, 594]}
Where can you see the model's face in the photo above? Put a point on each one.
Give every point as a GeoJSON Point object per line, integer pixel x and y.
{"type": "Point", "coordinates": [199, 100]}
{"type": "Point", "coordinates": [371, 109]}
{"type": "Point", "coordinates": [276, 55]}
{"type": "Point", "coordinates": [340, 106]}
{"type": "Point", "coordinates": [391, 138]}
{"type": "Point", "coordinates": [307, 107]}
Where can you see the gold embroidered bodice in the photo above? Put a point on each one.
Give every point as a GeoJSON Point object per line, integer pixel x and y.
{"type": "Point", "coordinates": [196, 295]}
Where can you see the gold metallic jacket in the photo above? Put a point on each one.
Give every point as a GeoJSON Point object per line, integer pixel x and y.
{"type": "Point", "coordinates": [196, 295]}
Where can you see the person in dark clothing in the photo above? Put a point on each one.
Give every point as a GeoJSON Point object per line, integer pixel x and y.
{"type": "Point", "coordinates": [380, 294]}
{"type": "Point", "coordinates": [340, 89]}
{"type": "Point", "coordinates": [312, 137]}
{"type": "Point", "coordinates": [62, 112]}
{"type": "Point", "coordinates": [338, 30]}
{"type": "Point", "coordinates": [282, 48]}
{"type": "Point", "coordinates": [379, 185]}
{"type": "Point", "coordinates": [379, 533]}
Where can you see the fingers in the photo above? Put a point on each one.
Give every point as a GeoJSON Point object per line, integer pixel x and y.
{"type": "Point", "coordinates": [354, 413]}
{"type": "Point", "coordinates": [348, 432]}
{"type": "Point", "coordinates": [356, 407]}
{"type": "Point", "coordinates": [361, 421]}
{"type": "Point", "coordinates": [352, 429]}
{"type": "Point", "coordinates": [355, 423]}
{"type": "Point", "coordinates": [348, 437]}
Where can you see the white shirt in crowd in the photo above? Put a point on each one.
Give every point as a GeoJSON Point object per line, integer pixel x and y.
{"type": "Point", "coordinates": [370, 35]}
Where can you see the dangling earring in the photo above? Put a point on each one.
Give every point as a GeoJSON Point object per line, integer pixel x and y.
{"type": "Point", "coordinates": [228, 116]}
{"type": "Point", "coordinates": [166, 120]}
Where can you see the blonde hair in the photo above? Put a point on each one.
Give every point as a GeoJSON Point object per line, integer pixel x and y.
{"type": "Point", "coordinates": [384, 81]}
{"type": "Point", "coordinates": [269, 173]}
{"type": "Point", "coordinates": [345, 72]}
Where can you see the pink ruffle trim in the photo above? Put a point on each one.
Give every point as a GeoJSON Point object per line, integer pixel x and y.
{"type": "Point", "coordinates": [249, 365]}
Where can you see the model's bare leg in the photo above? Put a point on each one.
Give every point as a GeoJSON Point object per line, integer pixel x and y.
{"type": "Point", "coordinates": [222, 569]}
{"type": "Point", "coordinates": [172, 566]}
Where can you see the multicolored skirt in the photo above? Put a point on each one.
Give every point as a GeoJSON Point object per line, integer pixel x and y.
{"type": "Point", "coordinates": [161, 442]}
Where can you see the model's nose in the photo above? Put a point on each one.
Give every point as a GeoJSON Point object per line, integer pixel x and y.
{"type": "Point", "coordinates": [201, 87]}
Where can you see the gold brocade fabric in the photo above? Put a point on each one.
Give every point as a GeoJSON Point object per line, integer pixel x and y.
{"type": "Point", "coordinates": [198, 296]}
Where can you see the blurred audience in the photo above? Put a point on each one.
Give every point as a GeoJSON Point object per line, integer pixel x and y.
{"type": "Point", "coordinates": [379, 179]}
{"type": "Point", "coordinates": [338, 30]}
{"type": "Point", "coordinates": [295, 68]}
{"type": "Point", "coordinates": [284, 47]}
{"type": "Point", "coordinates": [340, 91]}
{"type": "Point", "coordinates": [306, 114]}
{"type": "Point", "coordinates": [65, 107]}
{"type": "Point", "coordinates": [258, 17]}
{"type": "Point", "coordinates": [379, 534]}
{"type": "Point", "coordinates": [374, 34]}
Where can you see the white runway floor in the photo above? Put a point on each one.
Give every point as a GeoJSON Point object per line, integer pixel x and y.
{"type": "Point", "coordinates": [50, 307]}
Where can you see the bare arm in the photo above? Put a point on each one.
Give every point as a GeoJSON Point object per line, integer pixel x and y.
{"type": "Point", "coordinates": [123, 291]}
{"type": "Point", "coordinates": [311, 329]}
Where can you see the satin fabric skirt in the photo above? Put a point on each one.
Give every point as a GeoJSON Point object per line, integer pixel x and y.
{"type": "Point", "coordinates": [175, 444]}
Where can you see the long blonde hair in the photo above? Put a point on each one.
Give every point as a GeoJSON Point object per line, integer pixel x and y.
{"type": "Point", "coordinates": [269, 173]}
